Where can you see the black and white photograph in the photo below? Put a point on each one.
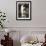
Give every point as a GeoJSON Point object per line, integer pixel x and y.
{"type": "Point", "coordinates": [23, 10]}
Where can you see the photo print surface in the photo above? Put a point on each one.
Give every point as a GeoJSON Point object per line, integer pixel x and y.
{"type": "Point", "coordinates": [23, 10]}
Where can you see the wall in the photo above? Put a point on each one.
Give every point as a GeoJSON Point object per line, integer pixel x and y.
{"type": "Point", "coordinates": [38, 22]}
{"type": "Point", "coordinates": [38, 14]}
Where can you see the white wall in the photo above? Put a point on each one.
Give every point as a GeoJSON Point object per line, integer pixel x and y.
{"type": "Point", "coordinates": [38, 14]}
{"type": "Point", "coordinates": [38, 22]}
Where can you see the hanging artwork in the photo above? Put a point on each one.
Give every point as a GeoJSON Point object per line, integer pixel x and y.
{"type": "Point", "coordinates": [23, 10]}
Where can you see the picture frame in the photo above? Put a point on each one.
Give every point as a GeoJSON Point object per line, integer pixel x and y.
{"type": "Point", "coordinates": [23, 10]}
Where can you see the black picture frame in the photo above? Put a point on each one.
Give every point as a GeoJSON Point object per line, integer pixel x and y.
{"type": "Point", "coordinates": [23, 10]}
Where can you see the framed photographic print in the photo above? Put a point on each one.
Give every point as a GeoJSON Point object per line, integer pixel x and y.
{"type": "Point", "coordinates": [23, 10]}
